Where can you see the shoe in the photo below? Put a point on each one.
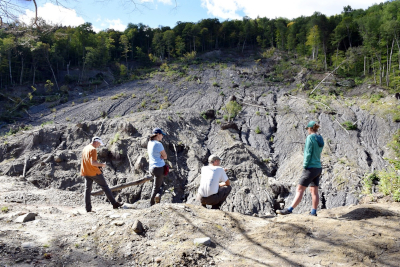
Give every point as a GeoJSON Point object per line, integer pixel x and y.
{"type": "Point", "coordinates": [312, 214]}
{"type": "Point", "coordinates": [283, 212]}
{"type": "Point", "coordinates": [117, 205]}
{"type": "Point", "coordinates": [157, 198]}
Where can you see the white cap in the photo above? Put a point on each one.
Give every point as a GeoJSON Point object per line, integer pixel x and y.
{"type": "Point", "coordinates": [97, 139]}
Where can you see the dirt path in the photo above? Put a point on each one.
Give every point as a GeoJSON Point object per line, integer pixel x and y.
{"type": "Point", "coordinates": [65, 235]}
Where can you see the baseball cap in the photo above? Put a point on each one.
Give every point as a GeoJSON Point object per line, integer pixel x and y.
{"type": "Point", "coordinates": [97, 139]}
{"type": "Point", "coordinates": [310, 124]}
{"type": "Point", "coordinates": [213, 158]}
{"type": "Point", "coordinates": [158, 131]}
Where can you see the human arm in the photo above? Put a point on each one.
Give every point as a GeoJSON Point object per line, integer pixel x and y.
{"type": "Point", "coordinates": [307, 152]}
{"type": "Point", "coordinates": [163, 154]}
{"type": "Point", "coordinates": [224, 180]}
{"type": "Point", "coordinates": [97, 164]}
{"type": "Point", "coordinates": [226, 183]}
{"type": "Point", "coordinates": [93, 159]}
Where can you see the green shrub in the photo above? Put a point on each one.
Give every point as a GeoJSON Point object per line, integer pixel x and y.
{"type": "Point", "coordinates": [4, 209]}
{"type": "Point", "coordinates": [258, 113]}
{"type": "Point", "coordinates": [348, 125]}
{"type": "Point", "coordinates": [257, 130]}
{"type": "Point", "coordinates": [376, 97]}
{"type": "Point", "coordinates": [368, 182]}
{"type": "Point", "coordinates": [215, 84]}
{"type": "Point", "coordinates": [115, 139]}
{"type": "Point", "coordinates": [226, 117]}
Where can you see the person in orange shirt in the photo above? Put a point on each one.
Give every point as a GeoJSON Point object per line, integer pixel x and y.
{"type": "Point", "coordinates": [91, 172]}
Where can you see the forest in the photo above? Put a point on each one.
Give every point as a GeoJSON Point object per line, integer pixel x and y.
{"type": "Point", "coordinates": [361, 44]}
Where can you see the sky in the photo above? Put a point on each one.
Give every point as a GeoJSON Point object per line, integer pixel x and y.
{"type": "Point", "coordinates": [117, 14]}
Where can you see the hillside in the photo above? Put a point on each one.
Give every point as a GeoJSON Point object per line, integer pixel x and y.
{"type": "Point", "coordinates": [262, 146]}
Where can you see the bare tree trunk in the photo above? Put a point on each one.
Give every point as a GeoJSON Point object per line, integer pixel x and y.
{"type": "Point", "coordinates": [22, 70]}
{"type": "Point", "coordinates": [52, 71]}
{"type": "Point", "coordinates": [365, 59]}
{"type": "Point", "coordinates": [390, 65]}
{"type": "Point", "coordinates": [9, 65]}
{"type": "Point", "coordinates": [373, 68]}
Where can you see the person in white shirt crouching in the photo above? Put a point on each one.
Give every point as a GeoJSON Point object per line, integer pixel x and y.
{"type": "Point", "coordinates": [214, 184]}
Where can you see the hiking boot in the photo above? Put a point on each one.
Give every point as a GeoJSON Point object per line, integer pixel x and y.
{"type": "Point", "coordinates": [157, 198]}
{"type": "Point", "coordinates": [283, 212]}
{"type": "Point", "coordinates": [117, 205]}
{"type": "Point", "coordinates": [312, 214]}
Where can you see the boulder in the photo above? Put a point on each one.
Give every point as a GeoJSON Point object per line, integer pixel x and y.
{"type": "Point", "coordinates": [205, 241]}
{"type": "Point", "coordinates": [137, 227]}
{"type": "Point", "coordinates": [26, 217]}
{"type": "Point", "coordinates": [140, 164]}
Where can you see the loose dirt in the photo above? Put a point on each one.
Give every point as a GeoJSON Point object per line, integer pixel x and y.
{"type": "Point", "coordinates": [63, 234]}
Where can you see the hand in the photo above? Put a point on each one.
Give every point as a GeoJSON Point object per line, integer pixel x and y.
{"type": "Point", "coordinates": [103, 165]}
{"type": "Point", "coordinates": [225, 169]}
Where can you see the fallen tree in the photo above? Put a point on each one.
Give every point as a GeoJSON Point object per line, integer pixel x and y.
{"type": "Point", "coordinates": [122, 186]}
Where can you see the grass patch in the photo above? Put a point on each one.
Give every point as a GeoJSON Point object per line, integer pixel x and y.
{"type": "Point", "coordinates": [348, 125]}
{"type": "Point", "coordinates": [257, 130]}
{"type": "Point", "coordinates": [114, 97]}
{"type": "Point", "coordinates": [46, 123]}
{"type": "Point", "coordinates": [4, 209]}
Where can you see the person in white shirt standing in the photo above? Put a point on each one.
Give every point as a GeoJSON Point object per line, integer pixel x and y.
{"type": "Point", "coordinates": [214, 184]}
{"type": "Point", "coordinates": [157, 155]}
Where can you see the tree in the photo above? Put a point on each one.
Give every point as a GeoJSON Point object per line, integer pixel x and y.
{"type": "Point", "coordinates": [232, 108]}
{"type": "Point", "coordinates": [169, 40]}
{"type": "Point", "coordinates": [313, 40]}
{"type": "Point", "coordinates": [125, 47]}
{"type": "Point", "coordinates": [179, 46]}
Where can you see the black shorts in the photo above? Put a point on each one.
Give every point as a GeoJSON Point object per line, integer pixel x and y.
{"type": "Point", "coordinates": [310, 177]}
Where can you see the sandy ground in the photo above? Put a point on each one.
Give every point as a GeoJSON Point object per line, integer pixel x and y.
{"type": "Point", "coordinates": [63, 234]}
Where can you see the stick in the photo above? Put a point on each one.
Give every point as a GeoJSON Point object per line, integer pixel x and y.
{"type": "Point", "coordinates": [343, 127]}
{"type": "Point", "coordinates": [119, 187]}
{"type": "Point", "coordinates": [25, 166]}
{"type": "Point", "coordinates": [176, 156]}
{"type": "Point", "coordinates": [327, 77]}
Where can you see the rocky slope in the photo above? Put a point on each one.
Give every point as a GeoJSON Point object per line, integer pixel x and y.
{"type": "Point", "coordinates": [264, 166]}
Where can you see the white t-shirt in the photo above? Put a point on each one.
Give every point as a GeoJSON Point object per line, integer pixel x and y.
{"type": "Point", "coordinates": [211, 176]}
{"type": "Point", "coordinates": [154, 149]}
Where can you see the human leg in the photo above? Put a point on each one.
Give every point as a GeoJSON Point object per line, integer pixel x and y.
{"type": "Point", "coordinates": [88, 190]}
{"type": "Point", "coordinates": [99, 179]}
{"type": "Point", "coordinates": [314, 196]}
{"type": "Point", "coordinates": [299, 195]}
{"type": "Point", "coordinates": [158, 174]}
{"type": "Point", "coordinates": [222, 194]}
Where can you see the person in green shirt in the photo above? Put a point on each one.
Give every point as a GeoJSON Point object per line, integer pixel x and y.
{"type": "Point", "coordinates": [311, 170]}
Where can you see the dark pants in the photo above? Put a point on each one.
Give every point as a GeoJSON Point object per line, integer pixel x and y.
{"type": "Point", "coordinates": [217, 199]}
{"type": "Point", "coordinates": [158, 174]}
{"type": "Point", "coordinates": [99, 179]}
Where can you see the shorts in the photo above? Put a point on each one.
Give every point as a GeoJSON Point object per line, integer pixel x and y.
{"type": "Point", "coordinates": [310, 177]}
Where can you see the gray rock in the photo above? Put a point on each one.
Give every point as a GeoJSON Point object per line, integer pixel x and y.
{"type": "Point", "coordinates": [137, 227]}
{"type": "Point", "coordinates": [140, 164]}
{"type": "Point", "coordinates": [26, 217]}
{"type": "Point", "coordinates": [28, 245]}
{"type": "Point", "coordinates": [202, 241]}
{"type": "Point", "coordinates": [118, 223]}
